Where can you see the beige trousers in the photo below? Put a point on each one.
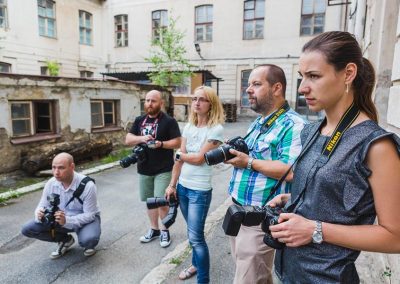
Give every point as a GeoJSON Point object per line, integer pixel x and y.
{"type": "Point", "coordinates": [253, 258]}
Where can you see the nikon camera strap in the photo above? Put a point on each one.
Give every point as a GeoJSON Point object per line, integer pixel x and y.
{"type": "Point", "coordinates": [78, 192]}
{"type": "Point", "coordinates": [284, 108]}
{"type": "Point", "coordinates": [347, 119]}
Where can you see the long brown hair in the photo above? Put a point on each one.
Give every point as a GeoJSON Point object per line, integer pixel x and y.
{"type": "Point", "coordinates": [339, 49]}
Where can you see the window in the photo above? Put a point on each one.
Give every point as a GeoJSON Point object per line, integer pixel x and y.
{"type": "Point", "coordinates": [32, 117]}
{"type": "Point", "coordinates": [104, 113]}
{"type": "Point", "coordinates": [86, 74]}
{"type": "Point", "coordinates": [204, 23]}
{"type": "Point", "coordinates": [159, 21]}
{"type": "Point", "coordinates": [244, 82]}
{"type": "Point", "coordinates": [121, 30]}
{"type": "Point", "coordinates": [312, 17]}
{"type": "Point", "coordinates": [44, 71]}
{"type": "Point", "coordinates": [85, 28]}
{"type": "Point", "coordinates": [5, 67]}
{"type": "Point", "coordinates": [47, 18]}
{"type": "Point", "coordinates": [253, 25]}
{"type": "Point", "coordinates": [3, 14]}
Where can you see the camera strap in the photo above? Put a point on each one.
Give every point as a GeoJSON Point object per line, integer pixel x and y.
{"type": "Point", "coordinates": [266, 125]}
{"type": "Point", "coordinates": [78, 192]}
{"type": "Point", "coordinates": [346, 120]}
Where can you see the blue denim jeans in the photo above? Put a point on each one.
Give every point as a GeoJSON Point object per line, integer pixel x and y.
{"type": "Point", "coordinates": [194, 205]}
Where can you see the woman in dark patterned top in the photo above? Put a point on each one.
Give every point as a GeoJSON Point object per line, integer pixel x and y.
{"type": "Point", "coordinates": [335, 200]}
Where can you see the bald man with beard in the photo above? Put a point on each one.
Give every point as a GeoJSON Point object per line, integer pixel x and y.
{"type": "Point", "coordinates": [162, 135]}
{"type": "Point", "coordinates": [72, 216]}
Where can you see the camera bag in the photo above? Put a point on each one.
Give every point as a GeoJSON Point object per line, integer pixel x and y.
{"type": "Point", "coordinates": [80, 189]}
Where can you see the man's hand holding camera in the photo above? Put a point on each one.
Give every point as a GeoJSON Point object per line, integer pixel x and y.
{"type": "Point", "coordinates": [292, 229]}
{"type": "Point", "coordinates": [241, 160]}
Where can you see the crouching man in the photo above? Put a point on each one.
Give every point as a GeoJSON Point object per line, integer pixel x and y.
{"type": "Point", "coordinates": [63, 210]}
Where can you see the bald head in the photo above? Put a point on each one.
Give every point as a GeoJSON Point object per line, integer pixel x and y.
{"type": "Point", "coordinates": [63, 168]}
{"type": "Point", "coordinates": [153, 103]}
{"type": "Point", "coordinates": [154, 94]}
{"type": "Point", "coordinates": [64, 156]}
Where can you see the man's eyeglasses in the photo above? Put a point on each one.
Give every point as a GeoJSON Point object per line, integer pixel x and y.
{"type": "Point", "coordinates": [201, 100]}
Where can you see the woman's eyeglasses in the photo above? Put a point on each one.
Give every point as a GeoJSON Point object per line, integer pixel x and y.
{"type": "Point", "coordinates": [201, 100]}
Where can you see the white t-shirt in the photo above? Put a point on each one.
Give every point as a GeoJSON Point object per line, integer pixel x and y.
{"type": "Point", "coordinates": [193, 176]}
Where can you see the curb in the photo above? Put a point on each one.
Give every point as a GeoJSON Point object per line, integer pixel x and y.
{"type": "Point", "coordinates": [161, 272]}
{"type": "Point", "coordinates": [40, 185]}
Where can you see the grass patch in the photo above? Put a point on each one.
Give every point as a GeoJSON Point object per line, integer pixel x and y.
{"type": "Point", "coordinates": [24, 181]}
{"type": "Point", "coordinates": [12, 194]}
{"type": "Point", "coordinates": [178, 260]}
{"type": "Point", "coordinates": [116, 155]}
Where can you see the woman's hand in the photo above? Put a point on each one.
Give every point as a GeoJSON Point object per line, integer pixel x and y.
{"type": "Point", "coordinates": [279, 200]}
{"type": "Point", "coordinates": [170, 191]}
{"type": "Point", "coordinates": [293, 230]}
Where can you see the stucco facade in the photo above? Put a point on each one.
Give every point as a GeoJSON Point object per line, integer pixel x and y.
{"type": "Point", "coordinates": [70, 119]}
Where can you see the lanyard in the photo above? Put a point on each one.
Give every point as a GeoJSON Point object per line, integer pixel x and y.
{"type": "Point", "coordinates": [153, 125]}
{"type": "Point", "coordinates": [264, 128]}
{"type": "Point", "coordinates": [347, 119]}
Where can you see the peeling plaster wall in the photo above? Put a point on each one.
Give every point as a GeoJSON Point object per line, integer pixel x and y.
{"type": "Point", "coordinates": [72, 111]}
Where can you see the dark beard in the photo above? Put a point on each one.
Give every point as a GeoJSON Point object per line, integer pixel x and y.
{"type": "Point", "coordinates": [153, 111]}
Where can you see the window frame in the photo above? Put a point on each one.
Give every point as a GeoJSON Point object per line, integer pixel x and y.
{"type": "Point", "coordinates": [34, 117]}
{"type": "Point", "coordinates": [3, 6]}
{"type": "Point", "coordinates": [124, 40]}
{"type": "Point", "coordinates": [155, 29]}
{"type": "Point", "coordinates": [46, 19]}
{"type": "Point", "coordinates": [206, 24]}
{"type": "Point", "coordinates": [5, 65]}
{"type": "Point", "coordinates": [253, 20]}
{"type": "Point", "coordinates": [312, 18]}
{"type": "Point", "coordinates": [103, 113]}
{"type": "Point", "coordinates": [244, 83]}
{"type": "Point", "coordinates": [83, 29]}
{"type": "Point", "coordinates": [86, 74]}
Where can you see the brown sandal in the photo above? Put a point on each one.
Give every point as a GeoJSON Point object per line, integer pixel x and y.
{"type": "Point", "coordinates": [187, 273]}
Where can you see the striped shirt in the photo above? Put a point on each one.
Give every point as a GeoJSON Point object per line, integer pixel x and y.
{"type": "Point", "coordinates": [280, 142]}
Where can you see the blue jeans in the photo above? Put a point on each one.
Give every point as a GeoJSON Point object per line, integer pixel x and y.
{"type": "Point", "coordinates": [194, 205]}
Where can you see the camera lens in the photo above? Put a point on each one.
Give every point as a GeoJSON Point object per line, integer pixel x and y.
{"type": "Point", "coordinates": [155, 202]}
{"type": "Point", "coordinates": [218, 155]}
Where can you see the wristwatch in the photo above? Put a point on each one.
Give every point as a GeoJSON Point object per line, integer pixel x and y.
{"type": "Point", "coordinates": [178, 155]}
{"type": "Point", "coordinates": [249, 163]}
{"type": "Point", "coordinates": [317, 237]}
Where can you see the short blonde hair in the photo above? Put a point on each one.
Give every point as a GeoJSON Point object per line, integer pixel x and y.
{"type": "Point", "coordinates": [216, 113]}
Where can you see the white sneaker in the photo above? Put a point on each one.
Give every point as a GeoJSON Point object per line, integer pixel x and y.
{"type": "Point", "coordinates": [165, 239]}
{"type": "Point", "coordinates": [150, 235]}
{"type": "Point", "coordinates": [62, 248]}
{"type": "Point", "coordinates": [89, 252]}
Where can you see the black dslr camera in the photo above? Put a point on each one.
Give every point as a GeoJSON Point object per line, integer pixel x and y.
{"type": "Point", "coordinates": [48, 217]}
{"type": "Point", "coordinates": [138, 154]}
{"type": "Point", "coordinates": [222, 154]}
{"type": "Point", "coordinates": [155, 202]}
{"type": "Point", "coordinates": [237, 215]}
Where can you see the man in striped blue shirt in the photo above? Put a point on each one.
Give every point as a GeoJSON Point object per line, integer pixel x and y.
{"type": "Point", "coordinates": [274, 143]}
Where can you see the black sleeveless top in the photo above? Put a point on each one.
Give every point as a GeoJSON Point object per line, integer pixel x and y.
{"type": "Point", "coordinates": [335, 191]}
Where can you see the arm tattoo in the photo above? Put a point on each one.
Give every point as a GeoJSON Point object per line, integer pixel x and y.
{"type": "Point", "coordinates": [214, 142]}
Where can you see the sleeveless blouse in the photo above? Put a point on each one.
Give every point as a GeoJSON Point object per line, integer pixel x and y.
{"type": "Point", "coordinates": [335, 191]}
